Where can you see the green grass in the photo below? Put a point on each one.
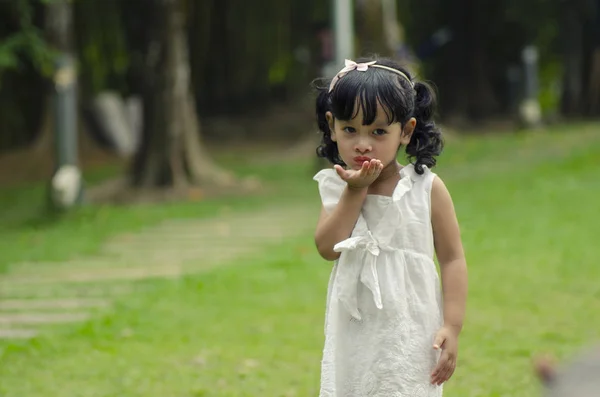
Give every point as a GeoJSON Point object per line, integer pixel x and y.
{"type": "Point", "coordinates": [530, 224]}
{"type": "Point", "coordinates": [26, 234]}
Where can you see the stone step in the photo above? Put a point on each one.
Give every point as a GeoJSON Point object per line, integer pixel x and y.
{"type": "Point", "coordinates": [38, 318]}
{"type": "Point", "coordinates": [200, 240]}
{"type": "Point", "coordinates": [95, 275]}
{"type": "Point", "coordinates": [17, 333]}
{"type": "Point", "coordinates": [75, 263]}
{"type": "Point", "coordinates": [51, 291]}
{"type": "Point", "coordinates": [39, 293]}
{"type": "Point", "coordinates": [59, 304]}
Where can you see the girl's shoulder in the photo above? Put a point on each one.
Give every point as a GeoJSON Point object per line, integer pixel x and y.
{"type": "Point", "coordinates": [425, 179]}
{"type": "Point", "coordinates": [331, 186]}
{"type": "Point", "coordinates": [329, 178]}
{"type": "Point", "coordinates": [328, 175]}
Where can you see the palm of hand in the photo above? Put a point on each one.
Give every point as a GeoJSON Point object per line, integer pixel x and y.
{"type": "Point", "coordinates": [362, 178]}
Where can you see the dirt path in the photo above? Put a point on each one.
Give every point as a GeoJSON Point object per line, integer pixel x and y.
{"type": "Point", "coordinates": [33, 295]}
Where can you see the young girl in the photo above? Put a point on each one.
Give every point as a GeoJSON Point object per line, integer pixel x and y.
{"type": "Point", "coordinates": [389, 332]}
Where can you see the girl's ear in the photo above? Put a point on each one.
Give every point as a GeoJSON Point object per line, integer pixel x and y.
{"type": "Point", "coordinates": [407, 131]}
{"type": "Point", "coordinates": [331, 122]}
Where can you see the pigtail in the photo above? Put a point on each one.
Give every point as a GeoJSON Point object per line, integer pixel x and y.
{"type": "Point", "coordinates": [426, 142]}
{"type": "Point", "coordinates": [327, 149]}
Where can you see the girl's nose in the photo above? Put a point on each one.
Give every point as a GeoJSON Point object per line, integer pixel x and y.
{"type": "Point", "coordinates": [362, 146]}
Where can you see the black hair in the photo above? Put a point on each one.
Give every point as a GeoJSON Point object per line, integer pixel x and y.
{"type": "Point", "coordinates": [397, 97]}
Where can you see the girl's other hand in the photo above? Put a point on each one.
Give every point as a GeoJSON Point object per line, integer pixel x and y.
{"type": "Point", "coordinates": [446, 340]}
{"type": "Point", "coordinates": [359, 179]}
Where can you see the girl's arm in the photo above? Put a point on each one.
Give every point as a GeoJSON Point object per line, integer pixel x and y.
{"type": "Point", "coordinates": [450, 254]}
{"type": "Point", "coordinates": [338, 225]}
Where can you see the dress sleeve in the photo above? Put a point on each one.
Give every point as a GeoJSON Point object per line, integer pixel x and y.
{"type": "Point", "coordinates": [331, 187]}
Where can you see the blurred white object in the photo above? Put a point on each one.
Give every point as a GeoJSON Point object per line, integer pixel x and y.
{"type": "Point", "coordinates": [66, 185]}
{"type": "Point", "coordinates": [120, 120]}
{"type": "Point", "coordinates": [343, 26]}
{"type": "Point", "coordinates": [531, 113]}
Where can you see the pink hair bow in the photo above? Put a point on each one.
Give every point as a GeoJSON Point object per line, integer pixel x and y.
{"type": "Point", "coordinates": [349, 66]}
{"type": "Point", "coordinates": [362, 67]}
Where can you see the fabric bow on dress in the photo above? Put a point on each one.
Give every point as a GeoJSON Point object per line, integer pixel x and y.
{"type": "Point", "coordinates": [358, 268]}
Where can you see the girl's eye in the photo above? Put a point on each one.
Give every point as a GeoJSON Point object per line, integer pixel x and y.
{"type": "Point", "coordinates": [379, 132]}
{"type": "Point", "coordinates": [349, 130]}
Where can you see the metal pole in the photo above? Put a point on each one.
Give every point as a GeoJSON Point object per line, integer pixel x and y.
{"type": "Point", "coordinates": [65, 115]}
{"type": "Point", "coordinates": [343, 22]}
{"type": "Point", "coordinates": [390, 25]}
{"type": "Point", "coordinates": [530, 59]}
{"type": "Point", "coordinates": [530, 108]}
{"type": "Point", "coordinates": [66, 185]}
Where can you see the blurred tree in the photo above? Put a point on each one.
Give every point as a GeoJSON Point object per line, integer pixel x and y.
{"type": "Point", "coordinates": [245, 58]}
{"type": "Point", "coordinates": [59, 35]}
{"type": "Point", "coordinates": [171, 153]}
{"type": "Point", "coordinates": [370, 33]}
{"type": "Point", "coordinates": [573, 15]}
{"type": "Point", "coordinates": [101, 43]}
{"type": "Point", "coordinates": [25, 65]}
{"type": "Point", "coordinates": [593, 52]}
{"type": "Point", "coordinates": [481, 42]}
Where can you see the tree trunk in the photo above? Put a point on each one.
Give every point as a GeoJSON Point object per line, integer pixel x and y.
{"type": "Point", "coordinates": [594, 87]}
{"type": "Point", "coordinates": [572, 52]}
{"type": "Point", "coordinates": [393, 34]}
{"type": "Point", "coordinates": [593, 52]}
{"type": "Point", "coordinates": [370, 30]}
{"type": "Point", "coordinates": [451, 74]}
{"type": "Point", "coordinates": [171, 153]}
{"type": "Point", "coordinates": [58, 31]}
{"type": "Point", "coordinates": [462, 68]}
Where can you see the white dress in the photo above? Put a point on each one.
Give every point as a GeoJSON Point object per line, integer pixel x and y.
{"type": "Point", "coordinates": [384, 302]}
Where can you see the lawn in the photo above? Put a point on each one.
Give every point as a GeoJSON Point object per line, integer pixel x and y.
{"type": "Point", "coordinates": [26, 234]}
{"type": "Point", "coordinates": [528, 207]}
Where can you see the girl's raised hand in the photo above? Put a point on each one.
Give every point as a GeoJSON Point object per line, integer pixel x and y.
{"type": "Point", "coordinates": [359, 179]}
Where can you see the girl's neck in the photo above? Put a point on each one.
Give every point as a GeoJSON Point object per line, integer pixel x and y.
{"type": "Point", "coordinates": [387, 180]}
{"type": "Point", "coordinates": [391, 171]}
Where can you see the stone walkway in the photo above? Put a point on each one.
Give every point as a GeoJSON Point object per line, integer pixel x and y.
{"type": "Point", "coordinates": [33, 295]}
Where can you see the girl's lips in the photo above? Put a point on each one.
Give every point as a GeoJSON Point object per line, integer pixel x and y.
{"type": "Point", "coordinates": [361, 159]}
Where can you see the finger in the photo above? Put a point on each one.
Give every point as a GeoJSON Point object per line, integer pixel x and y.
{"type": "Point", "coordinates": [439, 367]}
{"type": "Point", "coordinates": [450, 371]}
{"type": "Point", "coordinates": [341, 172]}
{"type": "Point", "coordinates": [364, 169]}
{"type": "Point", "coordinates": [441, 364]}
{"type": "Point", "coordinates": [443, 374]}
{"type": "Point", "coordinates": [372, 167]}
{"type": "Point", "coordinates": [438, 342]}
{"type": "Point", "coordinates": [376, 166]}
{"type": "Point", "coordinates": [367, 168]}
{"type": "Point", "coordinates": [447, 374]}
{"type": "Point", "coordinates": [439, 374]}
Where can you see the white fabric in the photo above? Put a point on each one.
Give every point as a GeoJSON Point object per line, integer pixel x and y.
{"type": "Point", "coordinates": [384, 302]}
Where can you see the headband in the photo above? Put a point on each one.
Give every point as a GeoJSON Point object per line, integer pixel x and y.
{"type": "Point", "coordinates": [362, 67]}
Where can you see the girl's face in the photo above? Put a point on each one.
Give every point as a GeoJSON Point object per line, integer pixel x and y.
{"type": "Point", "coordinates": [358, 143]}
